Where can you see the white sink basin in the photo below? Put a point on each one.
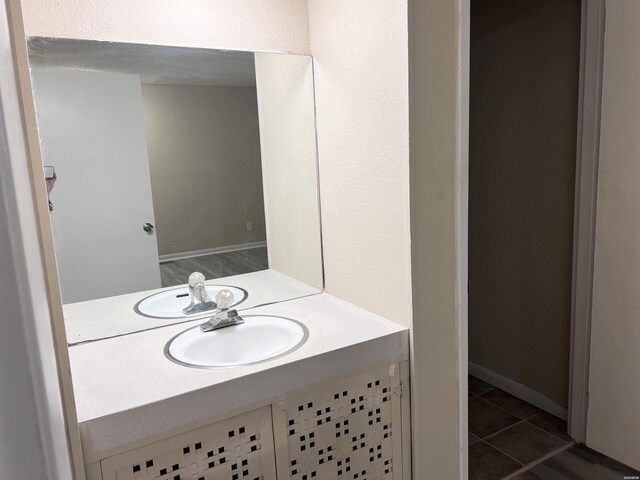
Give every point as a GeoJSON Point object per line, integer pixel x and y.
{"type": "Point", "coordinates": [259, 338]}
{"type": "Point", "coordinates": [170, 303]}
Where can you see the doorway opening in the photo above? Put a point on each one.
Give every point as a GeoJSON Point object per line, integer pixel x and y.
{"type": "Point", "coordinates": [524, 94]}
{"type": "Point", "coordinates": [536, 156]}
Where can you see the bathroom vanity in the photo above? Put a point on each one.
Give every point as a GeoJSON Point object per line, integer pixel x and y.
{"type": "Point", "coordinates": [200, 341]}
{"type": "Point", "coordinates": [336, 407]}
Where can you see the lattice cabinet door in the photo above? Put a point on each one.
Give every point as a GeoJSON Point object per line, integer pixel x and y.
{"type": "Point", "coordinates": [240, 448]}
{"type": "Point", "coordinates": [343, 431]}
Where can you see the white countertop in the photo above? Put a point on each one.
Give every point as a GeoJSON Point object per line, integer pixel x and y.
{"type": "Point", "coordinates": [126, 390]}
{"type": "Point", "coordinates": [113, 316]}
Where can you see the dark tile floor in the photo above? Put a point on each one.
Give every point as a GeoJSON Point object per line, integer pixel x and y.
{"type": "Point", "coordinates": [507, 435]}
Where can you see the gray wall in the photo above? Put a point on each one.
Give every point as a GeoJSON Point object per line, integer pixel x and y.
{"type": "Point", "coordinates": [524, 93]}
{"type": "Point", "coordinates": [204, 155]}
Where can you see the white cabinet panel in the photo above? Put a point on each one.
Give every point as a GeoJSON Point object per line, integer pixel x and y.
{"type": "Point", "coordinates": [239, 448]}
{"type": "Point", "coordinates": [349, 429]}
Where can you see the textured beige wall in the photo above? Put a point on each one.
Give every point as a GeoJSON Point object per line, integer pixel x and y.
{"type": "Point", "coordinates": [274, 25]}
{"type": "Point", "coordinates": [204, 158]}
{"type": "Point", "coordinates": [289, 165]}
{"type": "Point", "coordinates": [524, 97]}
{"type": "Point", "coordinates": [362, 101]}
{"type": "Point", "coordinates": [361, 66]}
{"type": "Point", "coordinates": [613, 423]}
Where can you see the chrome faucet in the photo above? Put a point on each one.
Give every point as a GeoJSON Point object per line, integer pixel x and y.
{"type": "Point", "coordinates": [223, 317]}
{"type": "Point", "coordinates": [200, 301]}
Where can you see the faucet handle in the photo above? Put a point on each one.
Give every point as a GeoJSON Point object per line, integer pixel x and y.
{"type": "Point", "coordinates": [224, 299]}
{"type": "Point", "coordinates": [198, 294]}
{"type": "Point", "coordinates": [196, 278]}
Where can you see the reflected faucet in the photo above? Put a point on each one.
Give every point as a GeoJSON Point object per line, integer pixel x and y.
{"type": "Point", "coordinates": [200, 301]}
{"type": "Point", "coordinates": [223, 317]}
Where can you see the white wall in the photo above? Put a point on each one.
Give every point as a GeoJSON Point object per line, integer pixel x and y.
{"type": "Point", "coordinates": [613, 422]}
{"type": "Point", "coordinates": [439, 59]}
{"type": "Point", "coordinates": [273, 25]}
{"type": "Point", "coordinates": [21, 453]}
{"type": "Point", "coordinates": [289, 165]}
{"type": "Point", "coordinates": [204, 149]}
{"type": "Point", "coordinates": [33, 437]}
{"type": "Point", "coordinates": [361, 66]}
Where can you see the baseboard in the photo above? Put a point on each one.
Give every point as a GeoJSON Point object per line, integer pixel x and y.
{"type": "Point", "coordinates": [210, 251]}
{"type": "Point", "coordinates": [519, 390]}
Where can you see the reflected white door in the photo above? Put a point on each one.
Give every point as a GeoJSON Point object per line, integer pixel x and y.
{"type": "Point", "coordinates": [92, 131]}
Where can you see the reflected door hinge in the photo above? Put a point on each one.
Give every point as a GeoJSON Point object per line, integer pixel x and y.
{"type": "Point", "coordinates": [399, 390]}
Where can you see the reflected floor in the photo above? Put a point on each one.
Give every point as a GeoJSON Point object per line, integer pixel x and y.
{"type": "Point", "coordinates": [176, 272]}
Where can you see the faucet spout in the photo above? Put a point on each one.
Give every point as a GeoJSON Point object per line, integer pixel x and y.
{"type": "Point", "coordinates": [223, 317]}
{"type": "Point", "coordinates": [200, 301]}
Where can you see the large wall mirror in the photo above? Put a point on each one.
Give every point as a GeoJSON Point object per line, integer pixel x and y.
{"type": "Point", "coordinates": [164, 161]}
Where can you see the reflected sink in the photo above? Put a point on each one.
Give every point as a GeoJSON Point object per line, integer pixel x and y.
{"type": "Point", "coordinates": [170, 303]}
{"type": "Point", "coordinates": [259, 338]}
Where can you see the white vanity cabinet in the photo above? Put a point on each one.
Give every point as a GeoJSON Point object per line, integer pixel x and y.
{"type": "Point", "coordinates": [240, 447]}
{"type": "Point", "coordinates": [348, 428]}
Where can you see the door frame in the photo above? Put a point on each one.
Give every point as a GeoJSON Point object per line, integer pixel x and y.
{"type": "Point", "coordinates": [586, 196]}
{"type": "Point", "coordinates": [439, 46]}
{"type": "Point", "coordinates": [34, 258]}
{"type": "Point", "coordinates": [585, 205]}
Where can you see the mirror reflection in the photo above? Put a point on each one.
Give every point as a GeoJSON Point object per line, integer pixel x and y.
{"type": "Point", "coordinates": [164, 161]}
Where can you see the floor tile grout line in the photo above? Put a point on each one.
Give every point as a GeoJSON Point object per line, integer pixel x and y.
{"type": "Point", "coordinates": [480, 394]}
{"type": "Point", "coordinates": [505, 454]}
{"type": "Point", "coordinates": [510, 413]}
{"type": "Point", "coordinates": [499, 389]}
{"type": "Point", "coordinates": [537, 461]}
{"type": "Point", "coordinates": [525, 467]}
{"type": "Point", "coordinates": [500, 431]}
{"type": "Point", "coordinates": [551, 433]}
{"type": "Point", "coordinates": [518, 423]}
{"type": "Point", "coordinates": [541, 412]}
{"type": "Point", "coordinates": [520, 420]}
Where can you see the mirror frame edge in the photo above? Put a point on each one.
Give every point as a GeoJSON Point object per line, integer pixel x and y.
{"type": "Point", "coordinates": [50, 270]}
